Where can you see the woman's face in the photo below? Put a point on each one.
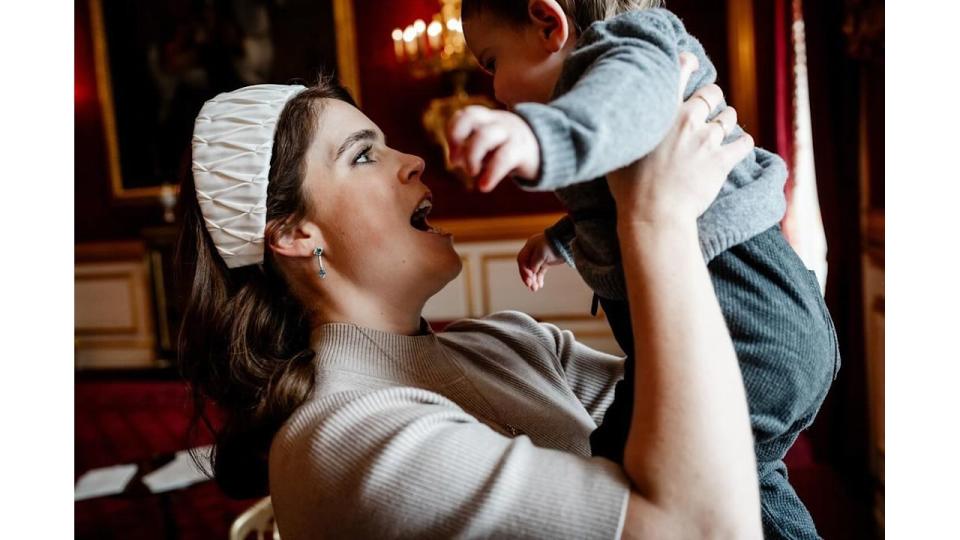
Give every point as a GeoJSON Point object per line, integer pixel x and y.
{"type": "Point", "coordinates": [371, 205]}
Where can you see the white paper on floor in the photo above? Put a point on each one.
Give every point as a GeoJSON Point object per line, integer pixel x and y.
{"type": "Point", "coordinates": [102, 482]}
{"type": "Point", "coordinates": [179, 473]}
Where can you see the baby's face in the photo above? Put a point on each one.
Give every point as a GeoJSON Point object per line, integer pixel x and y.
{"type": "Point", "coordinates": [523, 69]}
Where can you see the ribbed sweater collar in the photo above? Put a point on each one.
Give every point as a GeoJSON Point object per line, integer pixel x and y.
{"type": "Point", "coordinates": [420, 358]}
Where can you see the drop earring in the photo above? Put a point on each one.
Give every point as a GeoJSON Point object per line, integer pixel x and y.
{"type": "Point", "coordinates": [319, 253]}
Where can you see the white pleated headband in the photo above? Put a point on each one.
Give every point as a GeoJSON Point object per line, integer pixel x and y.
{"type": "Point", "coordinates": [232, 145]}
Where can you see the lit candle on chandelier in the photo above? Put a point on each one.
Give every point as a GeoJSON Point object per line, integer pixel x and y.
{"type": "Point", "coordinates": [455, 31]}
{"type": "Point", "coordinates": [420, 28]}
{"type": "Point", "coordinates": [433, 34]}
{"type": "Point", "coordinates": [409, 42]}
{"type": "Point", "coordinates": [397, 36]}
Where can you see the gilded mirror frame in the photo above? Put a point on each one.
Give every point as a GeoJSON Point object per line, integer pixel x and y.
{"type": "Point", "coordinates": [344, 27]}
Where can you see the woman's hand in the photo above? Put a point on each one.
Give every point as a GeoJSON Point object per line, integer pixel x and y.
{"type": "Point", "coordinates": [682, 176]}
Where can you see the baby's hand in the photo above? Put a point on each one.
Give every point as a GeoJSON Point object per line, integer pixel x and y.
{"type": "Point", "coordinates": [491, 145]}
{"type": "Point", "coordinates": [534, 259]}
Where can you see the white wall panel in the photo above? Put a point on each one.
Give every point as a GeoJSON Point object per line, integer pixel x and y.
{"type": "Point", "coordinates": [454, 301]}
{"type": "Point", "coordinates": [113, 323]}
{"type": "Point", "coordinates": [490, 282]}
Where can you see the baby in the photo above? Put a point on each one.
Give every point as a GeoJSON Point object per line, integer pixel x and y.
{"type": "Point", "coordinates": [592, 88]}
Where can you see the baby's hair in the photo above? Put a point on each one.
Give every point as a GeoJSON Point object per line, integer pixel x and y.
{"type": "Point", "coordinates": [583, 12]}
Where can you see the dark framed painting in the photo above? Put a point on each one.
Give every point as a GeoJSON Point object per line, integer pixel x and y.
{"type": "Point", "coordinates": [157, 62]}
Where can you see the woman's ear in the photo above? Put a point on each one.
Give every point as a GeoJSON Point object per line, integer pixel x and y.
{"type": "Point", "coordinates": [551, 23]}
{"type": "Point", "coordinates": [297, 239]}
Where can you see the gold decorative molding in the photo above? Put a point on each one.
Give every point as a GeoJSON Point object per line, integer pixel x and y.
{"type": "Point", "coordinates": [742, 49]}
{"type": "Point", "coordinates": [160, 297]}
{"type": "Point", "coordinates": [567, 317]}
{"type": "Point", "coordinates": [346, 34]}
{"type": "Point", "coordinates": [101, 66]}
{"type": "Point", "coordinates": [590, 333]}
{"type": "Point", "coordinates": [497, 228]}
{"type": "Point", "coordinates": [468, 283]}
{"type": "Point", "coordinates": [132, 250]}
{"type": "Point", "coordinates": [120, 343]}
{"type": "Point", "coordinates": [485, 277]}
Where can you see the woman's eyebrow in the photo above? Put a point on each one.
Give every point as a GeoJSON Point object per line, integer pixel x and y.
{"type": "Point", "coordinates": [353, 138]}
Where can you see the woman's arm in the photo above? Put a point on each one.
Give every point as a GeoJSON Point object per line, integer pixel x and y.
{"type": "Point", "coordinates": [689, 453]}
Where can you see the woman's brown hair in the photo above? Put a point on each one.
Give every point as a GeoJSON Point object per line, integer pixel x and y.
{"type": "Point", "coordinates": [582, 12]}
{"type": "Point", "coordinates": [244, 338]}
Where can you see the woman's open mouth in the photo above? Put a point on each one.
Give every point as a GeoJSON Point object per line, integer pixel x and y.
{"type": "Point", "coordinates": [419, 217]}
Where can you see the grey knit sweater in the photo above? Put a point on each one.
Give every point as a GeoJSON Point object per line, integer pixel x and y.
{"type": "Point", "coordinates": [481, 431]}
{"type": "Point", "coordinates": [614, 102]}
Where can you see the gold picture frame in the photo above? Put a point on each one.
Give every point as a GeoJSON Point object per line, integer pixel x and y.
{"type": "Point", "coordinates": [347, 69]}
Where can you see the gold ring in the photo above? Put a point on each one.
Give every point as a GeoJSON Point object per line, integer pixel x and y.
{"type": "Point", "coordinates": [722, 127]}
{"type": "Point", "coordinates": [709, 106]}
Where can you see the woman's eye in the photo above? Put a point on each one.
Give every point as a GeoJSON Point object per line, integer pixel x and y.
{"type": "Point", "coordinates": [363, 156]}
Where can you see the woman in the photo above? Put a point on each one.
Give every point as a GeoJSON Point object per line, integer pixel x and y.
{"type": "Point", "coordinates": [312, 258]}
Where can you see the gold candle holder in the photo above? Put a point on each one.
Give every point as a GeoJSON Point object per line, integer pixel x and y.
{"type": "Point", "coordinates": [439, 49]}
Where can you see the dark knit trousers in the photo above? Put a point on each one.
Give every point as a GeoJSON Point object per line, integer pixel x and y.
{"type": "Point", "coordinates": [787, 350]}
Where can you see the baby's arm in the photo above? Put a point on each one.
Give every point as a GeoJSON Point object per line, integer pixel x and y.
{"type": "Point", "coordinates": [543, 250]}
{"type": "Point", "coordinates": [561, 235]}
{"type": "Point", "coordinates": [622, 103]}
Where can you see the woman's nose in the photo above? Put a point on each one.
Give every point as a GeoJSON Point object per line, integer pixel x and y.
{"type": "Point", "coordinates": [412, 168]}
